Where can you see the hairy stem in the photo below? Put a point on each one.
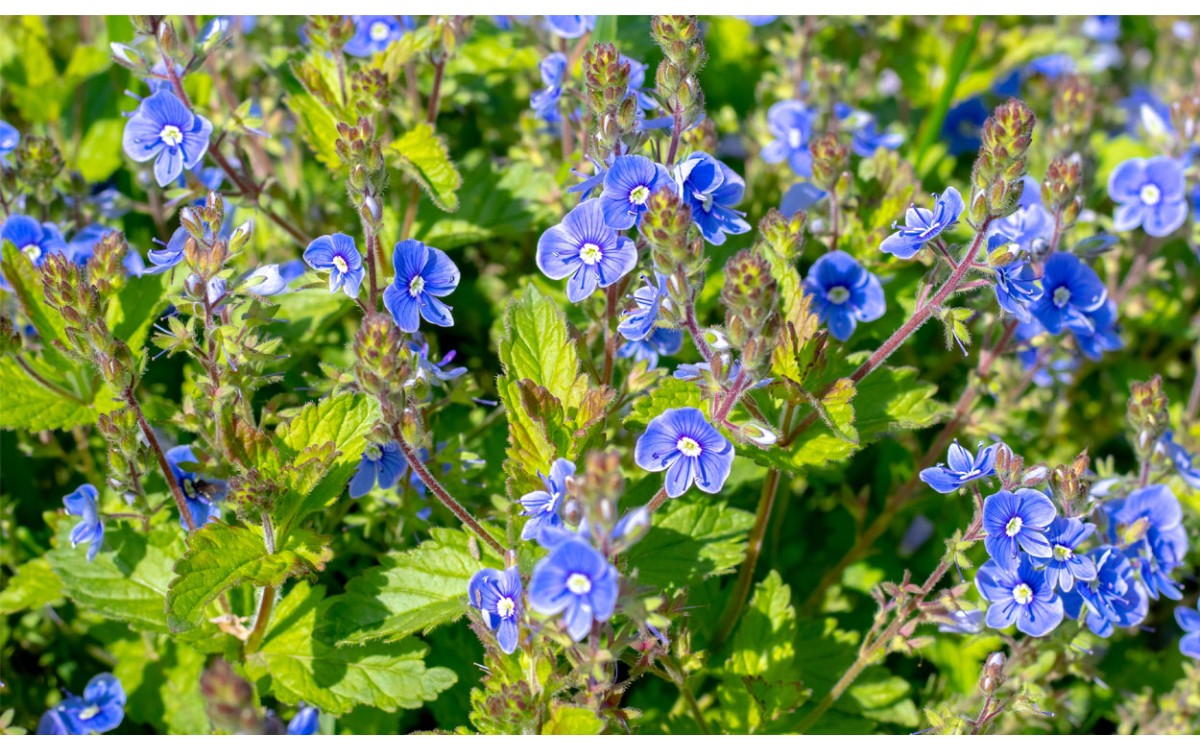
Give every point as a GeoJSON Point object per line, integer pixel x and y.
{"type": "Point", "coordinates": [176, 491]}
{"type": "Point", "coordinates": [741, 590]}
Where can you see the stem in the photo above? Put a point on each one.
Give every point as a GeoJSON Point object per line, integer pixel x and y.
{"type": "Point", "coordinates": [833, 219]}
{"type": "Point", "coordinates": [676, 131]}
{"type": "Point", "coordinates": [610, 337]}
{"type": "Point", "coordinates": [766, 503]}
{"type": "Point", "coordinates": [176, 81]}
{"type": "Point", "coordinates": [657, 501]}
{"type": "Point", "coordinates": [689, 322]}
{"type": "Point", "coordinates": [176, 491]}
{"type": "Point", "coordinates": [430, 481]}
{"type": "Point", "coordinates": [372, 274]}
{"type": "Point", "coordinates": [693, 707]}
{"type": "Point", "coordinates": [265, 606]}
{"type": "Point", "coordinates": [251, 190]}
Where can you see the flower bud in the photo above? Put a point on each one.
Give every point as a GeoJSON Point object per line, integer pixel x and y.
{"type": "Point", "coordinates": [992, 675]}
{"type": "Point", "coordinates": [1147, 415]}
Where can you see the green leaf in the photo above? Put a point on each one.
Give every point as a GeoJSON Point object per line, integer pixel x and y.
{"type": "Point", "coordinates": [669, 393]}
{"type": "Point", "coordinates": [605, 29]}
{"type": "Point", "coordinates": [296, 664]}
{"type": "Point", "coordinates": [689, 541]}
{"type": "Point", "coordinates": [100, 153]}
{"type": "Point", "coordinates": [128, 579]}
{"type": "Point", "coordinates": [135, 307]}
{"type": "Point", "coordinates": [161, 679]}
{"type": "Point", "coordinates": [317, 126]}
{"type": "Point", "coordinates": [573, 720]}
{"type": "Point", "coordinates": [422, 155]}
{"type": "Point", "coordinates": [220, 557]}
{"type": "Point", "coordinates": [26, 283]}
{"type": "Point", "coordinates": [28, 405]}
{"type": "Point", "coordinates": [33, 586]}
{"type": "Point", "coordinates": [410, 592]}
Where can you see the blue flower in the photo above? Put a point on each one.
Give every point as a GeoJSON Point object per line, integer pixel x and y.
{"type": "Point", "coordinates": [274, 278]}
{"type": "Point", "coordinates": [963, 125]}
{"type": "Point", "coordinates": [9, 138]}
{"type": "Point", "coordinates": [963, 468]}
{"type": "Point", "coordinates": [1105, 29]}
{"type": "Point", "coordinates": [336, 254]}
{"type": "Point", "coordinates": [682, 442]}
{"type": "Point", "coordinates": [570, 27]}
{"type": "Point", "coordinates": [800, 197]}
{"type": "Point", "coordinates": [867, 140]}
{"type": "Point", "coordinates": [576, 581]}
{"type": "Point", "coordinates": [711, 189]}
{"type": "Point", "coordinates": [1184, 462]}
{"type": "Point", "coordinates": [1067, 564]}
{"type": "Point", "coordinates": [586, 249]}
{"type": "Point", "coordinates": [791, 123]}
{"type": "Point", "coordinates": [497, 596]}
{"type": "Point", "coordinates": [1150, 194]}
{"type": "Point", "coordinates": [1051, 66]}
{"type": "Point", "coordinates": [423, 273]}
{"type": "Point", "coordinates": [380, 464]}
{"type": "Point", "coordinates": [203, 507]}
{"type": "Point", "coordinates": [99, 710]}
{"type": "Point", "coordinates": [165, 130]}
{"type": "Point", "coordinates": [1031, 226]}
{"type": "Point", "coordinates": [169, 255]}
{"type": "Point", "coordinates": [1145, 109]}
{"type": "Point", "coordinates": [1103, 336]}
{"type": "Point", "coordinates": [963, 622]}
{"type": "Point", "coordinates": [636, 324]}
{"type": "Point", "coordinates": [844, 293]}
{"type": "Point", "coordinates": [82, 502]}
{"type": "Point", "coordinates": [545, 101]}
{"type": "Point", "coordinates": [428, 371]}
{"type": "Point", "coordinates": [543, 506]}
{"type": "Point", "coordinates": [628, 184]}
{"type": "Point", "coordinates": [1070, 290]}
{"type": "Point", "coordinates": [1019, 594]}
{"type": "Point", "coordinates": [306, 721]}
{"type": "Point", "coordinates": [1149, 526]}
{"type": "Point", "coordinates": [637, 83]}
{"type": "Point", "coordinates": [1017, 520]}
{"type": "Point", "coordinates": [757, 20]}
{"type": "Point", "coordinates": [1016, 289]}
{"type": "Point", "coordinates": [922, 225]}
{"type": "Point", "coordinates": [34, 240]}
{"type": "Point", "coordinates": [662, 341]}
{"type": "Point", "coordinates": [374, 33]}
{"type": "Point", "coordinates": [1113, 597]}
{"type": "Point", "coordinates": [1189, 620]}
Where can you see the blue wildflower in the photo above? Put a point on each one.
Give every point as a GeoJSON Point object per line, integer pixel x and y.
{"type": "Point", "coordinates": [543, 506]}
{"type": "Point", "coordinates": [423, 273]}
{"type": "Point", "coordinates": [1146, 110]}
{"type": "Point", "coordinates": [83, 502]}
{"type": "Point", "coordinates": [1113, 597]}
{"type": "Point", "coordinates": [1016, 289]}
{"type": "Point", "coordinates": [165, 130]}
{"type": "Point", "coordinates": [306, 721]}
{"type": "Point", "coordinates": [336, 254]}
{"type": "Point", "coordinates": [427, 371]}
{"type": "Point", "coordinates": [1148, 524]}
{"type": "Point", "coordinates": [963, 125]}
{"type": "Point", "coordinates": [1051, 66]}
{"type": "Point", "coordinates": [1070, 290]}
{"type": "Point", "coordinates": [844, 293]}
{"type": "Point", "coordinates": [1184, 462]}
{"type": "Point", "coordinates": [1019, 594]}
{"type": "Point", "coordinates": [1189, 620]}
{"type": "Point", "coordinates": [576, 581]}
{"type": "Point", "coordinates": [9, 138]}
{"type": "Point", "coordinates": [682, 442]}
{"type": "Point", "coordinates": [637, 323]}
{"type": "Point", "coordinates": [100, 709]}
{"type": "Point", "coordinates": [962, 622]}
{"type": "Point", "coordinates": [200, 502]}
{"type": "Point", "coordinates": [1103, 336]}
{"type": "Point", "coordinates": [711, 189]}
{"type": "Point", "coordinates": [791, 123]}
{"type": "Point", "coordinates": [628, 184]}
{"type": "Point", "coordinates": [866, 139]}
{"type": "Point", "coordinates": [585, 248]}
{"type": "Point", "coordinates": [35, 241]}
{"type": "Point", "coordinates": [544, 102]}
{"type": "Point", "coordinates": [800, 197]}
{"type": "Point", "coordinates": [380, 465]}
{"type": "Point", "coordinates": [1031, 227]}
{"type": "Point", "coordinates": [758, 20]}
{"type": "Point", "coordinates": [1105, 29]}
{"type": "Point", "coordinates": [373, 34]}
{"type": "Point", "coordinates": [963, 467]}
{"type": "Point", "coordinates": [1150, 194]}
{"type": "Point", "coordinates": [1067, 564]}
{"type": "Point", "coordinates": [637, 83]}
{"type": "Point", "coordinates": [497, 596]}
{"type": "Point", "coordinates": [922, 225]}
{"type": "Point", "coordinates": [274, 278]}
{"type": "Point", "coordinates": [661, 342]}
{"type": "Point", "coordinates": [1017, 520]}
{"type": "Point", "coordinates": [570, 27]}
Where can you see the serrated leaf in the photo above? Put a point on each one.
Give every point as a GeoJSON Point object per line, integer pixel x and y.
{"type": "Point", "coordinates": [669, 393]}
{"type": "Point", "coordinates": [422, 155]}
{"type": "Point", "coordinates": [690, 541]}
{"type": "Point", "coordinates": [317, 126]}
{"type": "Point", "coordinates": [578, 720]}
{"type": "Point", "coordinates": [410, 592]}
{"type": "Point", "coordinates": [161, 679]}
{"type": "Point", "coordinates": [220, 557]}
{"type": "Point", "coordinates": [28, 405]}
{"type": "Point", "coordinates": [26, 283]}
{"type": "Point", "coordinates": [33, 586]}
{"type": "Point", "coordinates": [128, 579]}
{"type": "Point", "coordinates": [296, 664]}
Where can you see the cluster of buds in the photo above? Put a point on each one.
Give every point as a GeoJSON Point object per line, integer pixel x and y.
{"type": "Point", "coordinates": [830, 158]}
{"type": "Point", "coordinates": [594, 496]}
{"type": "Point", "coordinates": [370, 91]}
{"type": "Point", "coordinates": [1185, 115]}
{"type": "Point", "coordinates": [128, 453]}
{"type": "Point", "coordinates": [381, 366]}
{"type": "Point", "coordinates": [1062, 186]}
{"type": "Point", "coordinates": [996, 179]}
{"type": "Point", "coordinates": [359, 149]}
{"type": "Point", "coordinates": [87, 336]}
{"type": "Point", "coordinates": [992, 675]}
{"type": "Point", "coordinates": [677, 79]}
{"type": "Point", "coordinates": [667, 226]}
{"type": "Point", "coordinates": [329, 33]}
{"type": "Point", "coordinates": [784, 234]}
{"type": "Point", "coordinates": [750, 296]}
{"type": "Point", "coordinates": [204, 250]}
{"type": "Point", "coordinates": [106, 267]}
{"type": "Point", "coordinates": [1147, 415]}
{"type": "Point", "coordinates": [37, 164]}
{"type": "Point", "coordinates": [1011, 471]}
{"type": "Point", "coordinates": [1070, 484]}
{"type": "Point", "coordinates": [608, 98]}
{"type": "Point", "coordinates": [1072, 111]}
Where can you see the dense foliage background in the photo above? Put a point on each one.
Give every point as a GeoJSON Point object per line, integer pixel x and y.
{"type": "Point", "coordinates": [470, 169]}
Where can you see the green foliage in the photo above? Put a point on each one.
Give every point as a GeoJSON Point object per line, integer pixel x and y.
{"type": "Point", "coordinates": [33, 585]}
{"type": "Point", "coordinates": [689, 541]}
{"type": "Point", "coordinates": [422, 155]}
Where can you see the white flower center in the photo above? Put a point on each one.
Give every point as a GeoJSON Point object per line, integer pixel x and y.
{"type": "Point", "coordinates": [838, 295]}
{"type": "Point", "coordinates": [971, 474]}
{"type": "Point", "coordinates": [578, 583]}
{"type": "Point", "coordinates": [379, 31]}
{"type": "Point", "coordinates": [795, 137]}
{"type": "Point", "coordinates": [1151, 195]}
{"type": "Point", "coordinates": [639, 195]}
{"type": "Point", "coordinates": [505, 607]}
{"type": "Point", "coordinates": [89, 712]}
{"type": "Point", "coordinates": [1062, 296]}
{"type": "Point", "coordinates": [590, 253]}
{"type": "Point", "coordinates": [32, 251]}
{"type": "Point", "coordinates": [1014, 526]}
{"type": "Point", "coordinates": [688, 447]}
{"type": "Point", "coordinates": [1022, 594]}
{"type": "Point", "coordinates": [340, 263]}
{"type": "Point", "coordinates": [416, 286]}
{"type": "Point", "coordinates": [1062, 554]}
{"type": "Point", "coordinates": [373, 452]}
{"type": "Point", "coordinates": [171, 135]}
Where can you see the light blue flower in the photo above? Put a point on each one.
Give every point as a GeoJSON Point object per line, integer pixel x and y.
{"type": "Point", "coordinates": [587, 250]}
{"type": "Point", "coordinates": [963, 467]}
{"type": "Point", "coordinates": [380, 465]}
{"type": "Point", "coordinates": [1019, 594]}
{"type": "Point", "coordinates": [683, 443]}
{"type": "Point", "coordinates": [1150, 194]}
{"type": "Point", "coordinates": [1070, 290]}
{"type": "Point", "coordinates": [660, 342]}
{"type": "Point", "coordinates": [628, 184]}
{"type": "Point", "coordinates": [922, 225]}
{"type": "Point", "coordinates": [83, 502]}
{"type": "Point", "coordinates": [638, 323]}
{"type": "Point", "coordinates": [1114, 597]}
{"type": "Point", "coordinates": [1068, 564]}
{"type": "Point", "coordinates": [497, 596]}
{"type": "Point", "coordinates": [791, 124]}
{"type": "Point", "coordinates": [570, 27]}
{"type": "Point", "coordinates": [373, 34]}
{"type": "Point", "coordinates": [1189, 621]}
{"type": "Point", "coordinates": [1015, 521]}
{"type": "Point", "coordinates": [544, 102]}
{"type": "Point", "coordinates": [574, 580]}
{"type": "Point", "coordinates": [423, 273]}
{"type": "Point", "coordinates": [543, 507]}
{"type": "Point", "coordinates": [306, 721]}
{"type": "Point", "coordinates": [165, 130]}
{"type": "Point", "coordinates": [843, 293]}
{"type": "Point", "coordinates": [10, 137]}
{"type": "Point", "coordinates": [711, 189]}
{"type": "Point", "coordinates": [336, 254]}
{"type": "Point", "coordinates": [100, 709]}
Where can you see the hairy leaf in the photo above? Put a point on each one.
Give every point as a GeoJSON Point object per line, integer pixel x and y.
{"type": "Point", "coordinates": [690, 540]}
{"type": "Point", "coordinates": [422, 155]}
